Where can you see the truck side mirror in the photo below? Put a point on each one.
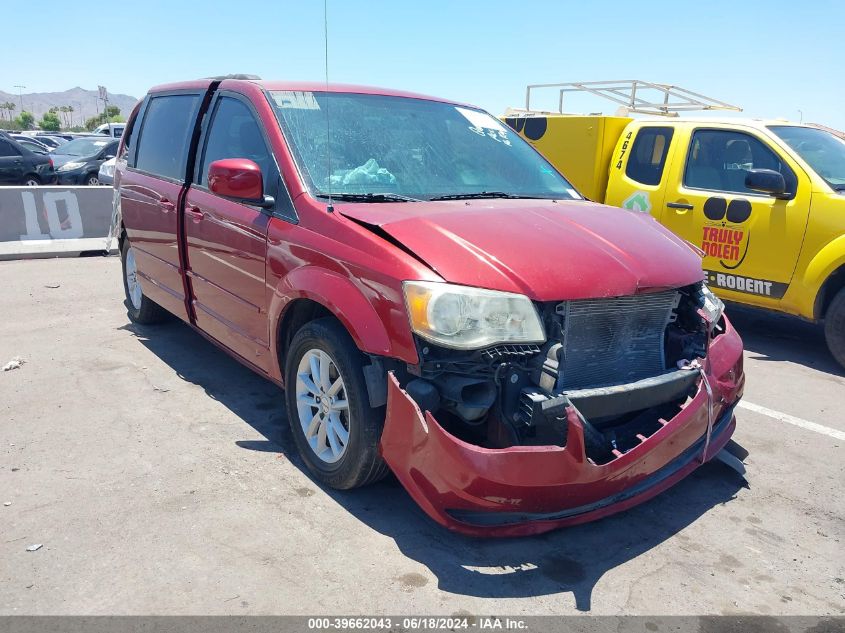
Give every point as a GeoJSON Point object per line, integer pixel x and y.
{"type": "Point", "coordinates": [766, 181]}
{"type": "Point", "coordinates": [239, 179]}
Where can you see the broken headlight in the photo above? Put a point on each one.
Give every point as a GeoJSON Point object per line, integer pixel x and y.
{"type": "Point", "coordinates": [712, 307]}
{"type": "Point", "coordinates": [461, 317]}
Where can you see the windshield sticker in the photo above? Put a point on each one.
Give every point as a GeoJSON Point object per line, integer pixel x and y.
{"type": "Point", "coordinates": [294, 100]}
{"type": "Point", "coordinates": [638, 201]}
{"type": "Point", "coordinates": [725, 236]}
{"type": "Point", "coordinates": [479, 119]}
{"type": "Point", "coordinates": [485, 125]}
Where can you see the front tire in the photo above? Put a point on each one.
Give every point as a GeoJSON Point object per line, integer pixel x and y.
{"type": "Point", "coordinates": [140, 308]}
{"type": "Point", "coordinates": [334, 427]}
{"type": "Point", "coordinates": [834, 327]}
{"type": "Point", "coordinates": [92, 180]}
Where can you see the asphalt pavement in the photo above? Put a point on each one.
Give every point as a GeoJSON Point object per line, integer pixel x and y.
{"type": "Point", "coordinates": [159, 476]}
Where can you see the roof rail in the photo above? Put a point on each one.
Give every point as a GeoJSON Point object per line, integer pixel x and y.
{"type": "Point", "coordinates": [233, 76]}
{"type": "Point", "coordinates": [632, 96]}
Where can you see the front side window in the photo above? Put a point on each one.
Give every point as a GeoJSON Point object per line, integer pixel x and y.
{"type": "Point", "coordinates": [648, 156]}
{"type": "Point", "coordinates": [235, 133]}
{"type": "Point", "coordinates": [719, 160]}
{"type": "Point", "coordinates": [165, 135]}
{"type": "Point", "coordinates": [410, 147]}
{"type": "Point", "coordinates": [821, 150]}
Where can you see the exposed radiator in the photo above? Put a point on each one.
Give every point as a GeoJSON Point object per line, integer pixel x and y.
{"type": "Point", "coordinates": [614, 341]}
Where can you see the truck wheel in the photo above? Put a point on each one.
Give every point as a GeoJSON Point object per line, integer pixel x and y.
{"type": "Point", "coordinates": [141, 309]}
{"type": "Point", "coordinates": [834, 327]}
{"type": "Point", "coordinates": [335, 429]}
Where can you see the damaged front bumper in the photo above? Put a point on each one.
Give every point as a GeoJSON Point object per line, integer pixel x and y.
{"type": "Point", "coordinates": [523, 490]}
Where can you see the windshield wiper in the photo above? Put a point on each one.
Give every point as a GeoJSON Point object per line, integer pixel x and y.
{"type": "Point", "coordinates": [483, 194]}
{"type": "Point", "coordinates": [368, 197]}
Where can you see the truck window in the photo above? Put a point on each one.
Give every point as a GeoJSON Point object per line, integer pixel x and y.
{"type": "Point", "coordinates": [235, 133]}
{"type": "Point", "coordinates": [720, 159]}
{"type": "Point", "coordinates": [648, 155]}
{"type": "Point", "coordinates": [165, 135]}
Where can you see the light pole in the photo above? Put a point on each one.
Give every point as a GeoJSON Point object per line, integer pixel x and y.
{"type": "Point", "coordinates": [20, 95]}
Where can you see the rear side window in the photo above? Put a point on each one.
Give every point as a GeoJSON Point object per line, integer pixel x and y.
{"type": "Point", "coordinates": [648, 155]}
{"type": "Point", "coordinates": [7, 149]}
{"type": "Point", "coordinates": [165, 135]}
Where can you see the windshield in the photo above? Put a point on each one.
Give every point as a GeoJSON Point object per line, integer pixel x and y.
{"type": "Point", "coordinates": [82, 147]}
{"type": "Point", "coordinates": [821, 150]}
{"type": "Point", "coordinates": [415, 148]}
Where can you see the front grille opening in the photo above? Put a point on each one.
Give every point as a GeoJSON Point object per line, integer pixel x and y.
{"type": "Point", "coordinates": [614, 341]}
{"type": "Point", "coordinates": [605, 440]}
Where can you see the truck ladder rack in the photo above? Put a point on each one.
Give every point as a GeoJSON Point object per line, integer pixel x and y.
{"type": "Point", "coordinates": [632, 96]}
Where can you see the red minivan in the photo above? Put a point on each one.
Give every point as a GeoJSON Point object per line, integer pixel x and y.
{"type": "Point", "coordinates": [434, 297]}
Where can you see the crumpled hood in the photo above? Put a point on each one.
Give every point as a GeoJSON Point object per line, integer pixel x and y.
{"type": "Point", "coordinates": [544, 249]}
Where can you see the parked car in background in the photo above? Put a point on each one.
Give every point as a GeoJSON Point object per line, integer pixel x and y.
{"type": "Point", "coordinates": [78, 161]}
{"type": "Point", "coordinates": [32, 143]}
{"type": "Point", "coordinates": [115, 130]}
{"type": "Point", "coordinates": [437, 299]}
{"type": "Point", "coordinates": [50, 141]}
{"type": "Point", "coordinates": [106, 174]}
{"type": "Point", "coordinates": [60, 137]}
{"type": "Point", "coordinates": [21, 166]}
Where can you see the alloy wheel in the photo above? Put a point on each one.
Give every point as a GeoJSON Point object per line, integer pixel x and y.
{"type": "Point", "coordinates": [322, 405]}
{"type": "Point", "coordinates": [133, 286]}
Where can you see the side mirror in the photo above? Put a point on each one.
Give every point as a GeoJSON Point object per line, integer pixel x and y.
{"type": "Point", "coordinates": [239, 179]}
{"type": "Point", "coordinates": [765, 181]}
{"type": "Point", "coordinates": [108, 156]}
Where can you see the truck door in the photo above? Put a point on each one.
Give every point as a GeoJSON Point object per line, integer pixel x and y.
{"type": "Point", "coordinates": [751, 239]}
{"type": "Point", "coordinates": [638, 168]}
{"type": "Point", "coordinates": [227, 240]}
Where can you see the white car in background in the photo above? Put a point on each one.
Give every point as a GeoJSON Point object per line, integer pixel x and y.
{"type": "Point", "coordinates": [115, 130]}
{"type": "Point", "coordinates": [106, 174]}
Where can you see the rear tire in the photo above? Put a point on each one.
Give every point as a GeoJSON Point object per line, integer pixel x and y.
{"type": "Point", "coordinates": [140, 308]}
{"type": "Point", "coordinates": [334, 427]}
{"type": "Point", "coordinates": [31, 181]}
{"type": "Point", "coordinates": [834, 327]}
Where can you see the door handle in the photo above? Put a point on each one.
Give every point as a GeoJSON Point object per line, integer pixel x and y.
{"type": "Point", "coordinates": [166, 205]}
{"type": "Point", "coordinates": [679, 205]}
{"type": "Point", "coordinates": [195, 213]}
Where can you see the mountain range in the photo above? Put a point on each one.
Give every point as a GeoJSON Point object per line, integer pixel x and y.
{"type": "Point", "coordinates": [84, 102]}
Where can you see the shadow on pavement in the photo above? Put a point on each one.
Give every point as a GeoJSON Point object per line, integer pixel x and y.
{"type": "Point", "coordinates": [770, 336]}
{"type": "Point", "coordinates": [569, 560]}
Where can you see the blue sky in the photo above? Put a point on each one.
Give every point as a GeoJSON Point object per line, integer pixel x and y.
{"type": "Point", "coordinates": [772, 58]}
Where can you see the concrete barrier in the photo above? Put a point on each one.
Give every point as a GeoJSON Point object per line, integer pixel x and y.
{"type": "Point", "coordinates": [54, 221]}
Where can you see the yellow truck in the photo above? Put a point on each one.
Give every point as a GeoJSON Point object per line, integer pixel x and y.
{"type": "Point", "coordinates": [763, 200]}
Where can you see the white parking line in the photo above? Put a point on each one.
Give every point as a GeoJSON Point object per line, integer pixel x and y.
{"type": "Point", "coordinates": [791, 419]}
